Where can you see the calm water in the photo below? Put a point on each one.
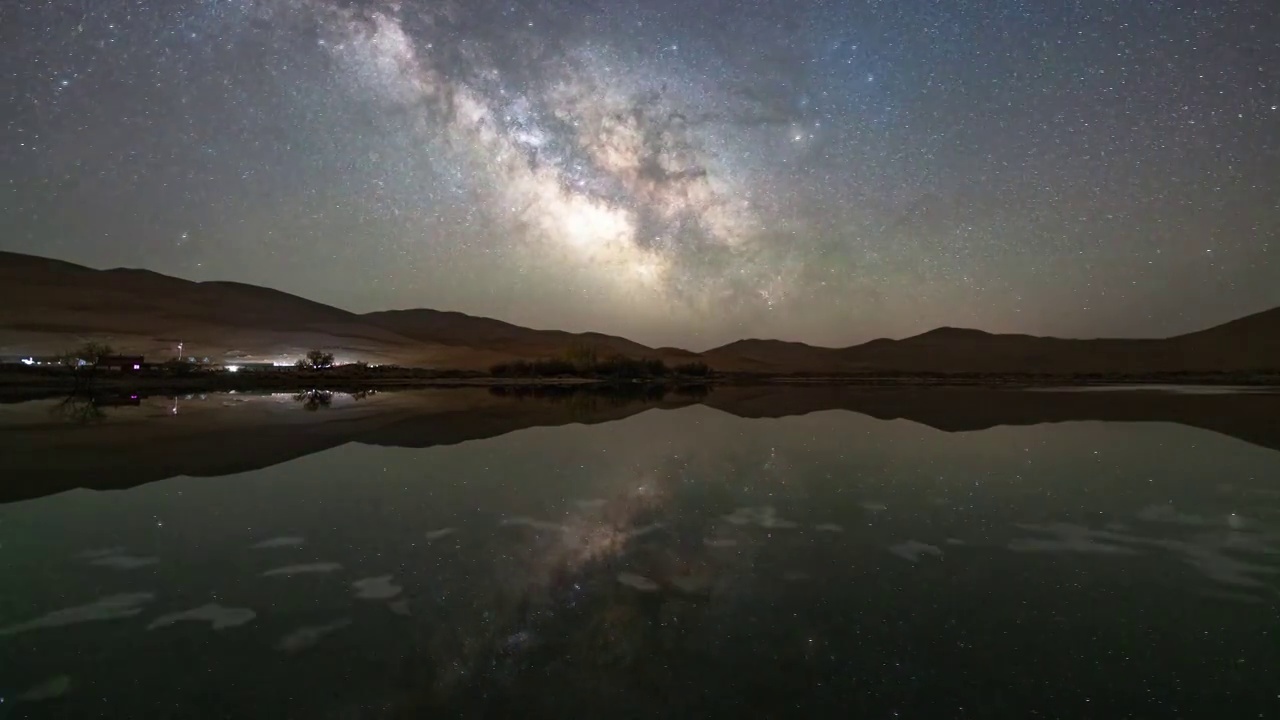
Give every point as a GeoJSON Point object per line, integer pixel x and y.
{"type": "Point", "coordinates": [675, 562]}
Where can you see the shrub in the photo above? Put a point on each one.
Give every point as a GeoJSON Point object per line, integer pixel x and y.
{"type": "Point", "coordinates": [694, 369]}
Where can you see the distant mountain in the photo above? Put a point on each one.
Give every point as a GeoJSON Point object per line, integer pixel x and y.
{"type": "Point", "coordinates": [48, 306]}
{"type": "Point", "coordinates": [455, 328]}
{"type": "Point", "coordinates": [1250, 343]}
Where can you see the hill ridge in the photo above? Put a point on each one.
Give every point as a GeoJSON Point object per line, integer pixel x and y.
{"type": "Point", "coordinates": [47, 305]}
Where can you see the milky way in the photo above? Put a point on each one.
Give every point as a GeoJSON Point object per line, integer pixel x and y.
{"type": "Point", "coordinates": [682, 173]}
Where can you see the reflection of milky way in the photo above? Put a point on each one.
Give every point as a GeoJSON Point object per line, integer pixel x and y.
{"type": "Point", "coordinates": [601, 173]}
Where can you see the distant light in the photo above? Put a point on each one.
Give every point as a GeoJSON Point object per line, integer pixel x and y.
{"type": "Point", "coordinates": [28, 361]}
{"type": "Point", "coordinates": [137, 366]}
{"type": "Point", "coordinates": [233, 368]}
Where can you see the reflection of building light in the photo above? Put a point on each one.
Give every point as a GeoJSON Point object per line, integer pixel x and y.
{"type": "Point", "coordinates": [137, 366]}
{"type": "Point", "coordinates": [233, 368]}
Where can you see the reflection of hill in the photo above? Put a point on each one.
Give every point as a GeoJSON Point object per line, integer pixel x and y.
{"type": "Point", "coordinates": [41, 455]}
{"type": "Point", "coordinates": [1252, 417]}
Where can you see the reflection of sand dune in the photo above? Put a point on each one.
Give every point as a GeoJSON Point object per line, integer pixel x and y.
{"type": "Point", "coordinates": [39, 456]}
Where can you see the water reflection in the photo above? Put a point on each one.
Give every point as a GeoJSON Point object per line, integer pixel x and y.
{"type": "Point", "coordinates": [314, 399]}
{"type": "Point", "coordinates": [673, 562]}
{"type": "Point", "coordinates": [81, 409]}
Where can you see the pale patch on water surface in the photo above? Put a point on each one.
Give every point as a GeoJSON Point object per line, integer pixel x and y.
{"type": "Point", "coordinates": [433, 535]}
{"type": "Point", "coordinates": [639, 582]}
{"type": "Point", "coordinates": [376, 588]}
{"type": "Point", "coordinates": [307, 636]}
{"type": "Point", "coordinates": [102, 552]}
{"type": "Point", "coordinates": [913, 550]}
{"type": "Point", "coordinates": [1168, 514]}
{"type": "Point", "coordinates": [873, 506]}
{"type": "Point", "coordinates": [828, 528]}
{"type": "Point", "coordinates": [1222, 568]}
{"type": "Point", "coordinates": [1070, 538]}
{"type": "Point", "coordinates": [303, 569]}
{"type": "Point", "coordinates": [217, 616]}
{"type": "Point", "coordinates": [113, 607]}
{"type": "Point", "coordinates": [399, 607]}
{"type": "Point", "coordinates": [646, 530]}
{"type": "Point", "coordinates": [589, 505]}
{"type": "Point", "coordinates": [692, 584]}
{"type": "Point", "coordinates": [765, 516]}
{"type": "Point", "coordinates": [720, 542]}
{"type": "Point", "coordinates": [50, 689]}
{"type": "Point", "coordinates": [540, 525]}
{"type": "Point", "coordinates": [1204, 554]}
{"type": "Point", "coordinates": [1227, 595]}
{"type": "Point", "coordinates": [124, 562]}
{"type": "Point", "coordinates": [279, 542]}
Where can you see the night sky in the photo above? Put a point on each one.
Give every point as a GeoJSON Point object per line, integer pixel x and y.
{"type": "Point", "coordinates": [676, 171]}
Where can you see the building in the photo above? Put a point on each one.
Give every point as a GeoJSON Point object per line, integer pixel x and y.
{"type": "Point", "coordinates": [250, 367]}
{"type": "Point", "coordinates": [131, 400]}
{"type": "Point", "coordinates": [126, 363]}
{"type": "Point", "coordinates": [30, 360]}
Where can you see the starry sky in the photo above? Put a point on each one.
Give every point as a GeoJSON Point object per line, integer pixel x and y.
{"type": "Point", "coordinates": [678, 172]}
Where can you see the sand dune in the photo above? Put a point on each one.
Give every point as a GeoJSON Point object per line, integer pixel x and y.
{"type": "Point", "coordinates": [48, 306]}
{"type": "Point", "coordinates": [1249, 344]}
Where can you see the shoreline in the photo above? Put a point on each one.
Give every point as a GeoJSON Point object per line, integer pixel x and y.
{"type": "Point", "coordinates": [23, 385]}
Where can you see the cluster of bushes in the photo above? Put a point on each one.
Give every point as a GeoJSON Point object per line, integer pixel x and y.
{"type": "Point", "coordinates": [617, 366]}
{"type": "Point", "coordinates": [611, 394]}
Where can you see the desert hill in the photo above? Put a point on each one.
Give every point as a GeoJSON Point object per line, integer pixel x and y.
{"type": "Point", "coordinates": [459, 329]}
{"type": "Point", "coordinates": [48, 306]}
{"type": "Point", "coordinates": [1246, 344]}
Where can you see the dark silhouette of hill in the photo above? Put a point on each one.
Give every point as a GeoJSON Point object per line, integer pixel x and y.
{"type": "Point", "coordinates": [48, 306]}
{"type": "Point", "coordinates": [41, 454]}
{"type": "Point", "coordinates": [455, 328]}
{"type": "Point", "coordinates": [1248, 344]}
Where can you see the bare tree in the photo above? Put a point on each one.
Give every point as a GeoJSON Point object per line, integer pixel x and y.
{"type": "Point", "coordinates": [316, 360]}
{"type": "Point", "coordinates": [85, 360]}
{"type": "Point", "coordinates": [314, 399]}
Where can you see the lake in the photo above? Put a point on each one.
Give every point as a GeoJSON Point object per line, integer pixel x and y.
{"type": "Point", "coordinates": [745, 552]}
